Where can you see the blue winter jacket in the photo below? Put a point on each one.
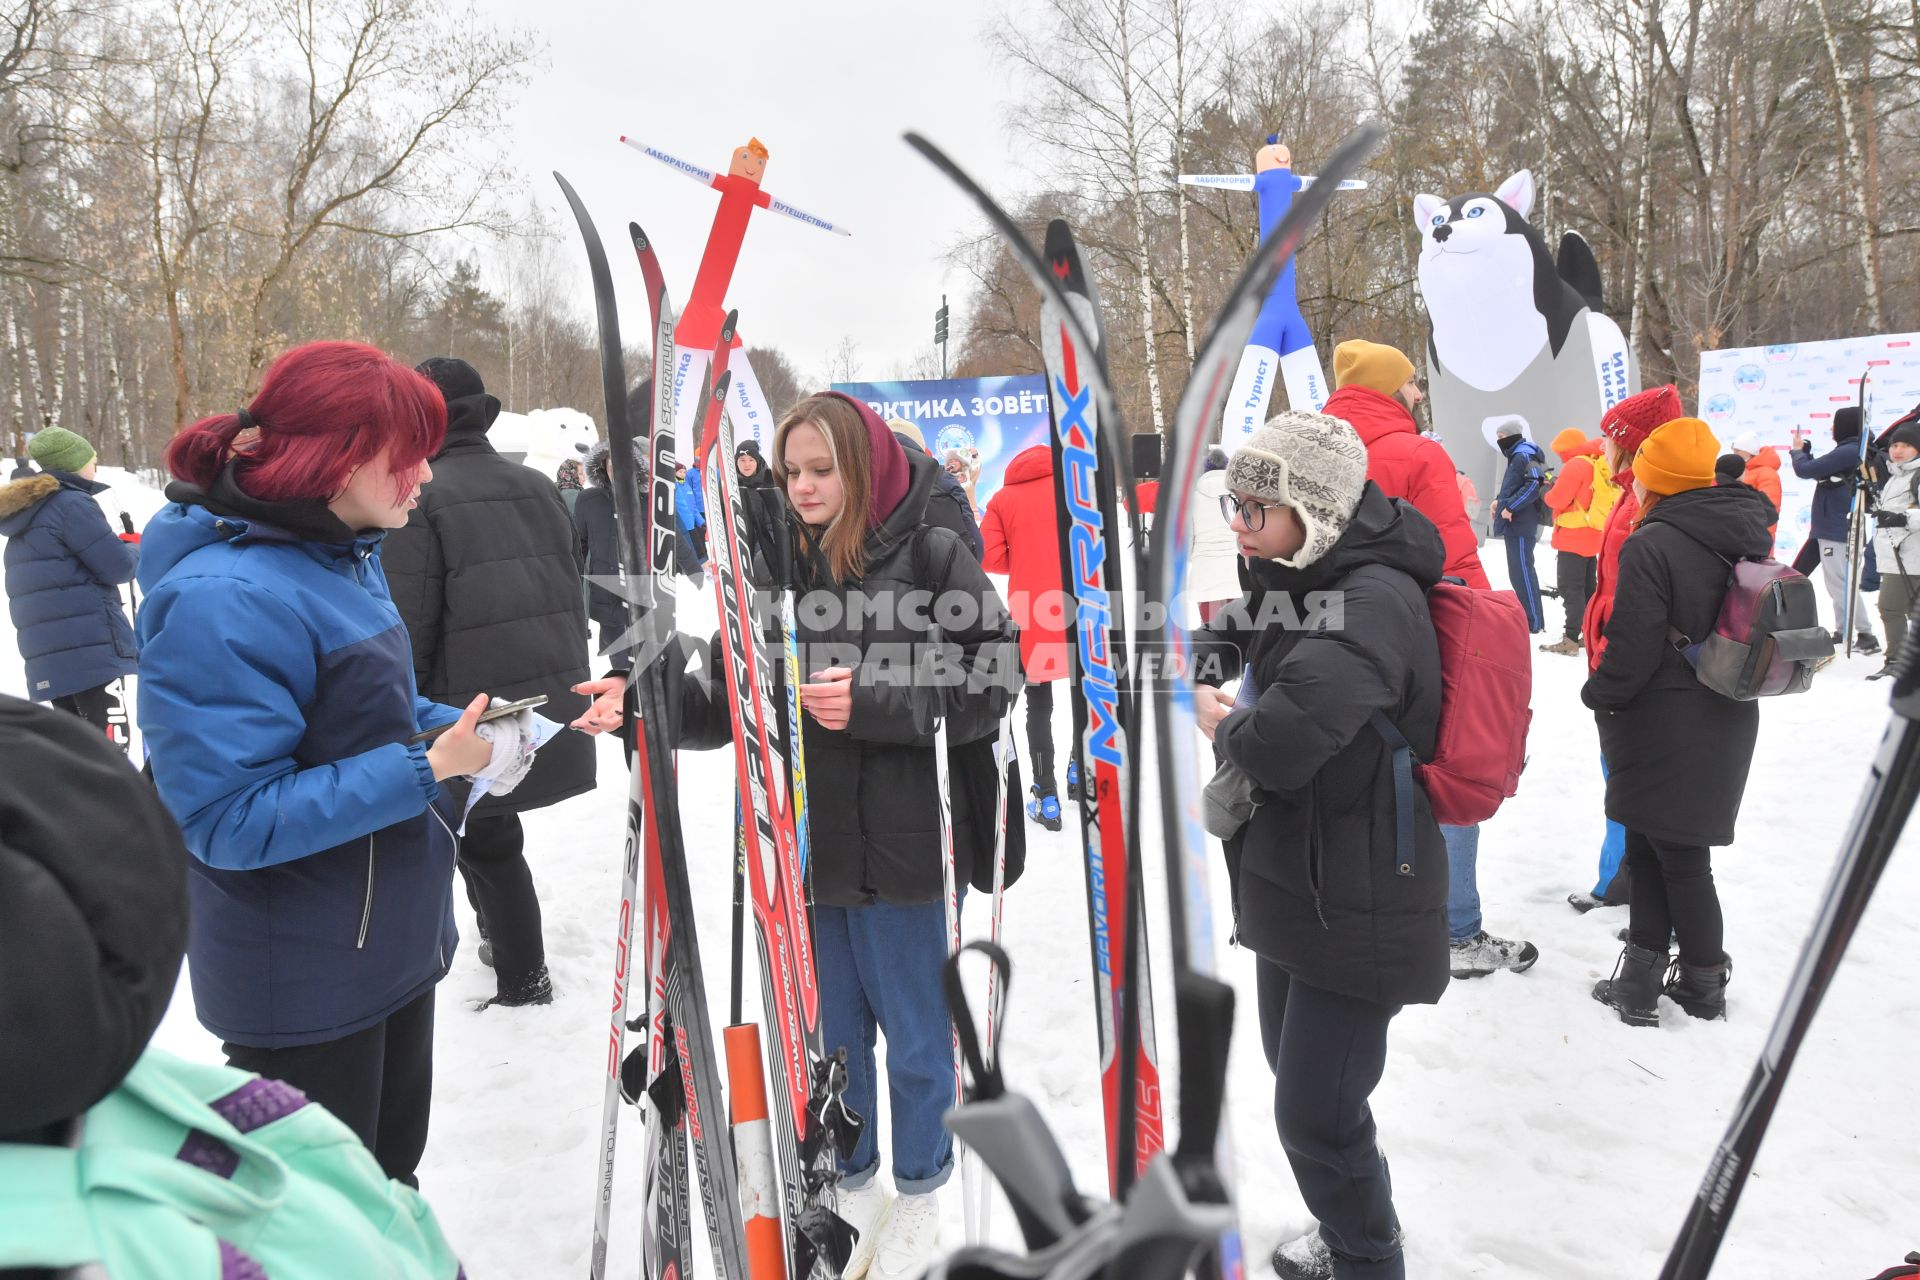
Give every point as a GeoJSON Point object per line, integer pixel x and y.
{"type": "Point", "coordinates": [65, 565]}
{"type": "Point", "coordinates": [1520, 488]}
{"type": "Point", "coordinates": [1833, 496]}
{"type": "Point", "coordinates": [689, 503]}
{"type": "Point", "coordinates": [277, 694]}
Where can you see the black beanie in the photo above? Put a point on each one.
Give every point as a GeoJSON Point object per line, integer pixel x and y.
{"type": "Point", "coordinates": [1846, 424]}
{"type": "Point", "coordinates": [455, 377]}
{"type": "Point", "coordinates": [747, 446]}
{"type": "Point", "coordinates": [1728, 468]}
{"type": "Point", "coordinates": [1905, 431]}
{"type": "Point", "coordinates": [93, 915]}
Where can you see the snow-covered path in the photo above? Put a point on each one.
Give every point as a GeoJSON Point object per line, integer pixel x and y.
{"type": "Point", "coordinates": [1531, 1134]}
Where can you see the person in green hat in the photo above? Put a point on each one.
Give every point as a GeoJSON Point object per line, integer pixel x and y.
{"type": "Point", "coordinates": [64, 569]}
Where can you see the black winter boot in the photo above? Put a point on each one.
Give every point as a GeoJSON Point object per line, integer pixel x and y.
{"type": "Point", "coordinates": [535, 988]}
{"type": "Point", "coordinates": [1701, 989]}
{"type": "Point", "coordinates": [1634, 989]}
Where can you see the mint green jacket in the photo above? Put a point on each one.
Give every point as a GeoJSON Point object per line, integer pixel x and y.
{"type": "Point", "coordinates": [188, 1171]}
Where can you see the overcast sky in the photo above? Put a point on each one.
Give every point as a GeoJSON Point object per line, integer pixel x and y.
{"type": "Point", "coordinates": [829, 87]}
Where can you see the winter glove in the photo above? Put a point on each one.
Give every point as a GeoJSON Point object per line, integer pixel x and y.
{"type": "Point", "coordinates": [1890, 519]}
{"type": "Point", "coordinates": [514, 742]}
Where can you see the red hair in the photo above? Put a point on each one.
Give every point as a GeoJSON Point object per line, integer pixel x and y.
{"type": "Point", "coordinates": [323, 410]}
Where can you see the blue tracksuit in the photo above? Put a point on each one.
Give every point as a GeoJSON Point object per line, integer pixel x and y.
{"type": "Point", "coordinates": [1520, 493]}
{"type": "Point", "coordinates": [277, 696]}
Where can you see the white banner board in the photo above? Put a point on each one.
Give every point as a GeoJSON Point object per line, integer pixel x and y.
{"type": "Point", "coordinates": [1789, 392]}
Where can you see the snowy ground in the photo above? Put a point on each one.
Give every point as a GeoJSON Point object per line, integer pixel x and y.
{"type": "Point", "coordinates": [1532, 1134]}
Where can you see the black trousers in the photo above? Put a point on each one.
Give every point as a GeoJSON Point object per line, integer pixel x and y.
{"type": "Point", "coordinates": [1671, 891]}
{"type": "Point", "coordinates": [1576, 576]}
{"type": "Point", "coordinates": [1327, 1052]}
{"type": "Point", "coordinates": [378, 1082]}
{"type": "Point", "coordinates": [500, 888]}
{"type": "Point", "coordinates": [89, 704]}
{"type": "Point", "coordinates": [1040, 734]}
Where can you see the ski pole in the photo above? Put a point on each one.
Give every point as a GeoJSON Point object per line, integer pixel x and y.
{"type": "Point", "coordinates": [980, 1202]}
{"type": "Point", "coordinates": [739, 911]}
{"type": "Point", "coordinates": [1892, 786]}
{"type": "Point", "coordinates": [951, 896]}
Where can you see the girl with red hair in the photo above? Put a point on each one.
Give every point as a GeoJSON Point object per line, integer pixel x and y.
{"type": "Point", "coordinates": [277, 694]}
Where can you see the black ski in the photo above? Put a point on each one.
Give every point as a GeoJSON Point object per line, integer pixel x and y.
{"type": "Point", "coordinates": [657, 830]}
{"type": "Point", "coordinates": [1073, 327]}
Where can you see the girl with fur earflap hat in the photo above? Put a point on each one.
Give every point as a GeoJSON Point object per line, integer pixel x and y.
{"type": "Point", "coordinates": [1677, 752]}
{"type": "Point", "coordinates": [1346, 931]}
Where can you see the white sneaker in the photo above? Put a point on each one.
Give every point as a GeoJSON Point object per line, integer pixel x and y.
{"type": "Point", "coordinates": [865, 1209]}
{"type": "Point", "coordinates": [908, 1242]}
{"type": "Point", "coordinates": [1483, 954]}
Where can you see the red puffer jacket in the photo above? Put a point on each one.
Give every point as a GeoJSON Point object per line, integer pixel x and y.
{"type": "Point", "coordinates": [1405, 464]}
{"type": "Point", "coordinates": [1021, 533]}
{"type": "Point", "coordinates": [1607, 569]}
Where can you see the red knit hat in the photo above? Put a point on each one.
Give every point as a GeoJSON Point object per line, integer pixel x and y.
{"type": "Point", "coordinates": [1630, 422]}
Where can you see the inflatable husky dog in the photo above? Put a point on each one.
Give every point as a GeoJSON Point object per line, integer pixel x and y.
{"type": "Point", "coordinates": [1513, 331]}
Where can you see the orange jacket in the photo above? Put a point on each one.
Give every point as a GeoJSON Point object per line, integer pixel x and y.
{"type": "Point", "coordinates": [1572, 494]}
{"type": "Point", "coordinates": [1763, 473]}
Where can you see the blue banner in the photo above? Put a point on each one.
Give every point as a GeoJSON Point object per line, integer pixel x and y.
{"type": "Point", "coordinates": [981, 422]}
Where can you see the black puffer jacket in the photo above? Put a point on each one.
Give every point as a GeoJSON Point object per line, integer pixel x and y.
{"type": "Point", "coordinates": [1677, 752]}
{"type": "Point", "coordinates": [484, 575]}
{"type": "Point", "coordinates": [1317, 883]}
{"type": "Point", "coordinates": [874, 816]}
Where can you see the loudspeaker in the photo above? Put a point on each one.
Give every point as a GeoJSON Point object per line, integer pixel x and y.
{"type": "Point", "coordinates": [1146, 456]}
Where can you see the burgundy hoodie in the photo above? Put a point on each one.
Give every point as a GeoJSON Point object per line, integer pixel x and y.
{"type": "Point", "coordinates": [890, 475]}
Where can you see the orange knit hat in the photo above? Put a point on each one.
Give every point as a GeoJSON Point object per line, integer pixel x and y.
{"type": "Point", "coordinates": [1678, 456]}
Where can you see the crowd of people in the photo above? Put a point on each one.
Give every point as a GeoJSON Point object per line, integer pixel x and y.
{"type": "Point", "coordinates": [347, 575]}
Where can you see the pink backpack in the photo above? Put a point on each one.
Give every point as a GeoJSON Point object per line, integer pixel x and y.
{"type": "Point", "coordinates": [1767, 639]}
{"type": "Point", "coordinates": [1486, 688]}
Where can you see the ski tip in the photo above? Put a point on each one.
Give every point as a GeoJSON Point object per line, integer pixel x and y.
{"type": "Point", "coordinates": [920, 143]}
{"type": "Point", "coordinates": [728, 327]}
{"type": "Point", "coordinates": [1063, 257]}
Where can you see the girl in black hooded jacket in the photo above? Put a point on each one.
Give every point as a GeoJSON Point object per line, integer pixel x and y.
{"type": "Point", "coordinates": [873, 577]}
{"type": "Point", "coordinates": [1347, 923]}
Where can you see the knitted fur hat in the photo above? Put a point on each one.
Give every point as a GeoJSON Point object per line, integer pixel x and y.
{"type": "Point", "coordinates": [1630, 422]}
{"type": "Point", "coordinates": [1310, 462]}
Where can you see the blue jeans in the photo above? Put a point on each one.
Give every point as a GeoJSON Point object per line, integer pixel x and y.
{"type": "Point", "coordinates": [1463, 890]}
{"type": "Point", "coordinates": [879, 969]}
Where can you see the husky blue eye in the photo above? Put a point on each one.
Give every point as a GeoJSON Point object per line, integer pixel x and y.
{"type": "Point", "coordinates": [1475, 212]}
{"type": "Point", "coordinates": [1439, 218]}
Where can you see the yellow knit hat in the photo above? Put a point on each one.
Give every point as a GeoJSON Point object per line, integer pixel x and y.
{"type": "Point", "coordinates": [1373, 365]}
{"type": "Point", "coordinates": [1678, 456]}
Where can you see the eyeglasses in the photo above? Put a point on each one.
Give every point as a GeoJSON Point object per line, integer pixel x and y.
{"type": "Point", "coordinates": [1252, 514]}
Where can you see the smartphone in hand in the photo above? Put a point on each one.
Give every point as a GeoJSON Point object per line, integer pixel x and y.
{"type": "Point", "coordinates": [491, 713]}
